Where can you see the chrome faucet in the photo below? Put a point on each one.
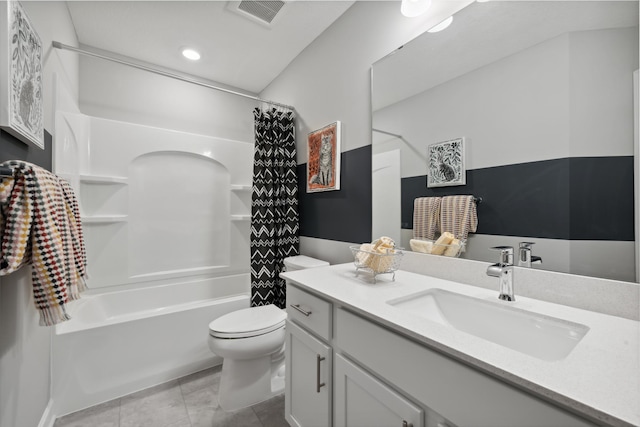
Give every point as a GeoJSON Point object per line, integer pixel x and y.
{"type": "Point", "coordinates": [524, 256]}
{"type": "Point", "coordinates": [504, 270]}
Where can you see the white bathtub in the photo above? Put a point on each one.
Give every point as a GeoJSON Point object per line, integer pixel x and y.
{"type": "Point", "coordinates": [123, 341]}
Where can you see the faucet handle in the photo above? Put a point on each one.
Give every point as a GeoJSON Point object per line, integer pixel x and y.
{"type": "Point", "coordinates": [526, 245]}
{"type": "Point", "coordinates": [506, 254]}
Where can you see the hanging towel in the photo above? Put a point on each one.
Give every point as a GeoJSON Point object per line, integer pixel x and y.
{"type": "Point", "coordinates": [426, 217]}
{"type": "Point", "coordinates": [458, 216]}
{"type": "Point", "coordinates": [40, 224]}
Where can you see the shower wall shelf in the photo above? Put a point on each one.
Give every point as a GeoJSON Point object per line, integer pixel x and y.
{"type": "Point", "coordinates": [240, 217]}
{"type": "Point", "coordinates": [103, 180]}
{"type": "Point", "coordinates": [238, 187]}
{"type": "Point", "coordinates": [103, 219]}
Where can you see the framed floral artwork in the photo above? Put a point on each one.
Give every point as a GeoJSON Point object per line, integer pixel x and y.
{"type": "Point", "coordinates": [446, 163]}
{"type": "Point", "coordinates": [21, 112]}
{"type": "Point", "coordinates": [323, 159]}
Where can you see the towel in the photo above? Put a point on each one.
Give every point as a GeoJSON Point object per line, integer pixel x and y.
{"type": "Point", "coordinates": [458, 216]}
{"type": "Point", "coordinates": [40, 224]}
{"type": "Point", "coordinates": [426, 217]}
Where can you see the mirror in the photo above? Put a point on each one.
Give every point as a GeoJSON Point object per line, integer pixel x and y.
{"type": "Point", "coordinates": [543, 94]}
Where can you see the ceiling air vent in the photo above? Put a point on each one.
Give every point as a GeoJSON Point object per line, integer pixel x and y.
{"type": "Point", "coordinates": [263, 11]}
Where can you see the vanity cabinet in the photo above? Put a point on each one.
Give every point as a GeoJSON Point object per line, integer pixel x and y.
{"type": "Point", "coordinates": [309, 360]}
{"type": "Point", "coordinates": [360, 400]}
{"type": "Point", "coordinates": [346, 370]}
{"type": "Point", "coordinates": [464, 395]}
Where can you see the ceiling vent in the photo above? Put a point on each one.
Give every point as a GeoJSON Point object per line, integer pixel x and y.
{"type": "Point", "coordinates": [263, 12]}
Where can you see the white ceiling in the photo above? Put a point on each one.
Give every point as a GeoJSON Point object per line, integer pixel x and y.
{"type": "Point", "coordinates": [236, 51]}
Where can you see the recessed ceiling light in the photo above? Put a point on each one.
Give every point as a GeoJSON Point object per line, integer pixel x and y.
{"type": "Point", "coordinates": [441, 26]}
{"type": "Point", "coordinates": [191, 54]}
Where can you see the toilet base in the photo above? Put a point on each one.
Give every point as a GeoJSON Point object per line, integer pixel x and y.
{"type": "Point", "coordinates": [247, 382]}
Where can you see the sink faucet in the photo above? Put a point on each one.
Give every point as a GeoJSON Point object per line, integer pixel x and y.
{"type": "Point", "coordinates": [504, 270]}
{"type": "Point", "coordinates": [524, 257]}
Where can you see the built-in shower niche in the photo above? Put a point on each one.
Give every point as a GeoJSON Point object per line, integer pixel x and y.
{"type": "Point", "coordinates": [103, 198]}
{"type": "Point", "coordinates": [179, 206]}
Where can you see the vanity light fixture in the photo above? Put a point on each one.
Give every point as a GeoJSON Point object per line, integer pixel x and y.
{"type": "Point", "coordinates": [412, 8]}
{"type": "Point", "coordinates": [441, 26]}
{"type": "Point", "coordinates": [191, 54]}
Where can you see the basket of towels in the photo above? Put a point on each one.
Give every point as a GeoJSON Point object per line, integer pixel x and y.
{"type": "Point", "coordinates": [446, 245]}
{"type": "Point", "coordinates": [378, 257]}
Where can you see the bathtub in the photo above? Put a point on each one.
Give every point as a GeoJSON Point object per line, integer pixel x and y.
{"type": "Point", "coordinates": [119, 342]}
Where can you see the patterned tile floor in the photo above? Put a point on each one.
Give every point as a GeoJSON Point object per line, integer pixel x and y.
{"type": "Point", "coordinates": [190, 401]}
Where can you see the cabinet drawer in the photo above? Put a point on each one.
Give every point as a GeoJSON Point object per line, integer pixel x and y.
{"type": "Point", "coordinates": [460, 393]}
{"type": "Point", "coordinates": [309, 311]}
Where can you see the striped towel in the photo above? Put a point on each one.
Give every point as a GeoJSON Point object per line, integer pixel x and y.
{"type": "Point", "coordinates": [426, 217]}
{"type": "Point", "coordinates": [458, 216]}
{"type": "Point", "coordinates": [40, 224]}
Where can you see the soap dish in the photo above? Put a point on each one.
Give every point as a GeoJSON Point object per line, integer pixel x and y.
{"type": "Point", "coordinates": [376, 262]}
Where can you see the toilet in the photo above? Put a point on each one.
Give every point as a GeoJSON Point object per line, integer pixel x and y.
{"type": "Point", "coordinates": [251, 343]}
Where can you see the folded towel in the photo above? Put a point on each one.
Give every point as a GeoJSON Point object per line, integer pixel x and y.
{"type": "Point", "coordinates": [40, 224]}
{"type": "Point", "coordinates": [426, 217]}
{"type": "Point", "coordinates": [377, 255]}
{"type": "Point", "coordinates": [424, 246]}
{"type": "Point", "coordinates": [458, 216]}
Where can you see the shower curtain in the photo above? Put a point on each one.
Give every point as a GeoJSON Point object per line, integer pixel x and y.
{"type": "Point", "coordinates": [274, 204]}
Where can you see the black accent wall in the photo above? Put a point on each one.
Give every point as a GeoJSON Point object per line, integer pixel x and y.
{"type": "Point", "coordinates": [580, 198]}
{"type": "Point", "coordinates": [11, 148]}
{"type": "Point", "coordinates": [342, 215]}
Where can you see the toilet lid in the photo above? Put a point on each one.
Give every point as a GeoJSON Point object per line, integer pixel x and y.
{"type": "Point", "coordinates": [248, 322]}
{"type": "Point", "coordinates": [300, 262]}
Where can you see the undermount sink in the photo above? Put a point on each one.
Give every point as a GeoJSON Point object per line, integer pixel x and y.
{"type": "Point", "coordinates": [537, 335]}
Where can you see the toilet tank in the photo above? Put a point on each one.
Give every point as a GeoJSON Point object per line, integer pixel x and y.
{"type": "Point", "coordinates": [300, 262]}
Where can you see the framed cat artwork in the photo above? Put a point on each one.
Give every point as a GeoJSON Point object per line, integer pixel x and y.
{"type": "Point", "coordinates": [323, 159]}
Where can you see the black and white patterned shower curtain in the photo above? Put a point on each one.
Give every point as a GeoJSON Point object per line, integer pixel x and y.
{"type": "Point", "coordinates": [274, 204]}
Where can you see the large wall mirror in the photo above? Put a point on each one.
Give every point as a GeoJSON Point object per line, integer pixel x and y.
{"type": "Point", "coordinates": [543, 94]}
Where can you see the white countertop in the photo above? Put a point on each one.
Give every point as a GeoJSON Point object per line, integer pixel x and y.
{"type": "Point", "coordinates": [599, 378]}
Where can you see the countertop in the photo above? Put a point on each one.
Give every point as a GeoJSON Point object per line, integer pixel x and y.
{"type": "Point", "coordinates": [600, 378]}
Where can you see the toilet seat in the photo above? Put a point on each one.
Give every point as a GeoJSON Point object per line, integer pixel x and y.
{"type": "Point", "coordinates": [248, 322]}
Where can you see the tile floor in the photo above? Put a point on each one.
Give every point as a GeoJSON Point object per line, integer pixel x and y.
{"type": "Point", "coordinates": [190, 401]}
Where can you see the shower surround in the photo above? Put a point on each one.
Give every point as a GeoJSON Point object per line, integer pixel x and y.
{"type": "Point", "coordinates": [166, 217]}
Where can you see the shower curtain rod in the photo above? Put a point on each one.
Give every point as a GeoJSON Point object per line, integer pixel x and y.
{"type": "Point", "coordinates": [183, 78]}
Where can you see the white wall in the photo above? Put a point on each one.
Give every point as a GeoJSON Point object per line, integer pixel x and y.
{"type": "Point", "coordinates": [118, 92]}
{"type": "Point", "coordinates": [330, 80]}
{"type": "Point", "coordinates": [24, 345]}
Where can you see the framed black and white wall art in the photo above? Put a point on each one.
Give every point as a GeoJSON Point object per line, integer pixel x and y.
{"type": "Point", "coordinates": [21, 109]}
{"type": "Point", "coordinates": [446, 164]}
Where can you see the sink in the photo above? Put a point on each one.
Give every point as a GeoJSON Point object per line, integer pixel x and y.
{"type": "Point", "coordinates": [537, 335]}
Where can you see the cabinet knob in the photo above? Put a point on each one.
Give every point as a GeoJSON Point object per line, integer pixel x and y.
{"type": "Point", "coordinates": [301, 310]}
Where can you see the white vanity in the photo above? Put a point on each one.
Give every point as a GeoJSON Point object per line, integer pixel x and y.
{"type": "Point", "coordinates": [365, 354]}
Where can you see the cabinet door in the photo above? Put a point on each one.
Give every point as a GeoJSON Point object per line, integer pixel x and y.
{"type": "Point", "coordinates": [362, 401]}
{"type": "Point", "coordinates": [308, 379]}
